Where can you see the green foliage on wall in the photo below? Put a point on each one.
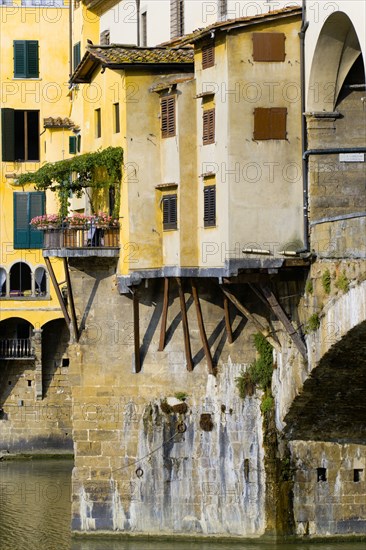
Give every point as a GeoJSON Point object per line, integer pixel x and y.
{"type": "Point", "coordinates": [260, 372]}
{"type": "Point", "coordinates": [326, 281]}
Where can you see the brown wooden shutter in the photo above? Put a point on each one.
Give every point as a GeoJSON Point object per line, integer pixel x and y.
{"type": "Point", "coordinates": [170, 214]}
{"type": "Point", "coordinates": [278, 123]}
{"type": "Point", "coordinates": [168, 116]}
{"type": "Point", "coordinates": [208, 126]}
{"type": "Point", "coordinates": [269, 46]}
{"type": "Point", "coordinates": [176, 18]}
{"type": "Point", "coordinates": [208, 55]}
{"type": "Point", "coordinates": [209, 206]}
{"type": "Point", "coordinates": [270, 123]}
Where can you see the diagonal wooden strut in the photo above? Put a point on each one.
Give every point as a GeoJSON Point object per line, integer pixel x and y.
{"type": "Point", "coordinates": [229, 331]}
{"type": "Point", "coordinates": [58, 292]}
{"type": "Point", "coordinates": [201, 327]}
{"type": "Point", "coordinates": [187, 343]}
{"type": "Point", "coordinates": [261, 328]}
{"type": "Point", "coordinates": [71, 300]}
{"type": "Point", "coordinates": [164, 315]}
{"type": "Point", "coordinates": [136, 330]}
{"type": "Point", "coordinates": [281, 316]}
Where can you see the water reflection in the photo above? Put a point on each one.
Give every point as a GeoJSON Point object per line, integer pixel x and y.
{"type": "Point", "coordinates": [35, 515]}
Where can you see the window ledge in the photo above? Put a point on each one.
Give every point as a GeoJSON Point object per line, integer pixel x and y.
{"type": "Point", "coordinates": [25, 298]}
{"type": "Point", "coordinates": [26, 78]}
{"type": "Point", "coordinates": [166, 186]}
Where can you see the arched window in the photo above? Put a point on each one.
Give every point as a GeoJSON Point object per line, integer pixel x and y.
{"type": "Point", "coordinates": [20, 280]}
{"type": "Point", "coordinates": [2, 281]}
{"type": "Point", "coordinates": [40, 279]}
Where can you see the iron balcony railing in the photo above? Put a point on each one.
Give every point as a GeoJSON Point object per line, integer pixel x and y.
{"type": "Point", "coordinates": [16, 348]}
{"type": "Point", "coordinates": [81, 237]}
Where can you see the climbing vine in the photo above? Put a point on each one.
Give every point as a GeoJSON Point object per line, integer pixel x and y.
{"type": "Point", "coordinates": [91, 171]}
{"type": "Point", "coordinates": [260, 372]}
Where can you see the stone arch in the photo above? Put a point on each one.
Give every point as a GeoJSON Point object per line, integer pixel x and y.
{"type": "Point", "coordinates": [330, 404]}
{"type": "Point", "coordinates": [336, 51]}
{"type": "Point", "coordinates": [3, 279]}
{"type": "Point", "coordinates": [41, 281]}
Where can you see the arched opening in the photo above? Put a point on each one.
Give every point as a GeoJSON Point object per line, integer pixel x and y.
{"type": "Point", "coordinates": [15, 339]}
{"type": "Point", "coordinates": [336, 51]}
{"type": "Point", "coordinates": [20, 280]}
{"type": "Point", "coordinates": [40, 279]}
{"type": "Point", "coordinates": [2, 281]}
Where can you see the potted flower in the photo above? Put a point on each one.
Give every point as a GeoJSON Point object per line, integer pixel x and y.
{"type": "Point", "coordinates": [47, 221]}
{"type": "Point", "coordinates": [78, 221]}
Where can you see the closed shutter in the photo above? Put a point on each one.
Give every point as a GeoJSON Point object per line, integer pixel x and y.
{"type": "Point", "coordinates": [36, 208]}
{"type": "Point", "coordinates": [209, 206]}
{"type": "Point", "coordinates": [208, 126]}
{"type": "Point", "coordinates": [269, 46]}
{"type": "Point", "coordinates": [168, 117]}
{"type": "Point", "coordinates": [77, 54]}
{"type": "Point", "coordinates": [170, 212]}
{"type": "Point", "coordinates": [174, 26]}
{"type": "Point", "coordinates": [26, 207]}
{"type": "Point", "coordinates": [7, 135]}
{"type": "Point", "coordinates": [72, 145]}
{"type": "Point", "coordinates": [270, 123]}
{"type": "Point", "coordinates": [26, 59]}
{"type": "Point", "coordinates": [20, 63]}
{"type": "Point", "coordinates": [208, 55]}
{"type": "Point", "coordinates": [32, 59]}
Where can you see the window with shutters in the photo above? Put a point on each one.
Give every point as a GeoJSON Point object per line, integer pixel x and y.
{"type": "Point", "coordinates": [26, 59]}
{"type": "Point", "coordinates": [208, 126]}
{"type": "Point", "coordinates": [20, 135]}
{"type": "Point", "coordinates": [98, 123]}
{"type": "Point", "coordinates": [269, 46]}
{"type": "Point", "coordinates": [270, 123]}
{"type": "Point", "coordinates": [209, 206]}
{"type": "Point", "coordinates": [170, 212]}
{"type": "Point", "coordinates": [208, 55]}
{"type": "Point", "coordinates": [26, 207]}
{"type": "Point", "coordinates": [176, 18]}
{"type": "Point", "coordinates": [76, 55]}
{"type": "Point", "coordinates": [168, 116]}
{"type": "Point", "coordinates": [117, 126]}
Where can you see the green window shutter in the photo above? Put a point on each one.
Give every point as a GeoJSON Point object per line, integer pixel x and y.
{"type": "Point", "coordinates": [20, 54]}
{"type": "Point", "coordinates": [7, 134]}
{"type": "Point", "coordinates": [72, 145]}
{"type": "Point", "coordinates": [77, 54]}
{"type": "Point", "coordinates": [26, 207]}
{"type": "Point", "coordinates": [32, 59]}
{"type": "Point", "coordinates": [36, 207]}
{"type": "Point", "coordinates": [21, 223]}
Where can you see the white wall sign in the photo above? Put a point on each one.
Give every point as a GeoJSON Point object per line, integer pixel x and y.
{"type": "Point", "coordinates": [352, 157]}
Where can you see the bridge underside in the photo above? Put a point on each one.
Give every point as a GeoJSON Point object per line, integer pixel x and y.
{"type": "Point", "coordinates": [332, 403]}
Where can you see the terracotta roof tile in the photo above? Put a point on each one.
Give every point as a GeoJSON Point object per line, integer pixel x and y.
{"type": "Point", "coordinates": [115, 54]}
{"type": "Point", "coordinates": [58, 122]}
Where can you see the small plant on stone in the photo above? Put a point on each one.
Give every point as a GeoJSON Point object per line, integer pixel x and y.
{"type": "Point", "coordinates": [313, 323]}
{"type": "Point", "coordinates": [309, 288]}
{"type": "Point", "coordinates": [342, 282]}
{"type": "Point", "coordinates": [326, 281]}
{"type": "Point", "coordinates": [267, 404]}
{"type": "Point", "coordinates": [180, 395]}
{"type": "Point", "coordinates": [245, 384]}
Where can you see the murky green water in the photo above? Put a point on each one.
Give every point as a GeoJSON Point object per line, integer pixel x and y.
{"type": "Point", "coordinates": [35, 515]}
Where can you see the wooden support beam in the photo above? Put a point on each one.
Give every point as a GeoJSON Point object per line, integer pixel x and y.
{"type": "Point", "coordinates": [58, 292]}
{"type": "Point", "coordinates": [229, 331]}
{"type": "Point", "coordinates": [201, 327]}
{"type": "Point", "coordinates": [187, 342]}
{"type": "Point", "coordinates": [164, 315]}
{"type": "Point", "coordinates": [281, 316]}
{"type": "Point", "coordinates": [272, 339]}
{"type": "Point", "coordinates": [71, 300]}
{"type": "Point", "coordinates": [136, 331]}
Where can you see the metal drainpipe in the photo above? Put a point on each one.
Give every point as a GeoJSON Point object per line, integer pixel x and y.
{"type": "Point", "coordinates": [138, 22]}
{"type": "Point", "coordinates": [304, 26]}
{"type": "Point", "coordinates": [332, 151]}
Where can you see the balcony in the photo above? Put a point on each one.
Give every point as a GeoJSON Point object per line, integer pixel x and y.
{"type": "Point", "coordinates": [79, 242]}
{"type": "Point", "coordinates": [16, 348]}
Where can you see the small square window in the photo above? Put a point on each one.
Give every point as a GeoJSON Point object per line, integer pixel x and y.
{"type": "Point", "coordinates": [270, 123]}
{"type": "Point", "coordinates": [321, 474]}
{"type": "Point", "coordinates": [357, 475]}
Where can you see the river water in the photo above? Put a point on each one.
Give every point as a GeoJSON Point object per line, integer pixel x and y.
{"type": "Point", "coordinates": [35, 514]}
